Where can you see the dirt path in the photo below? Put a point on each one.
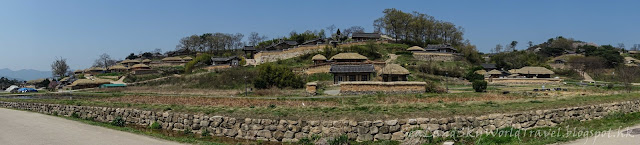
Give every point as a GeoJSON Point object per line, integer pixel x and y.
{"type": "Point", "coordinates": [392, 57]}
{"type": "Point", "coordinates": [22, 127]}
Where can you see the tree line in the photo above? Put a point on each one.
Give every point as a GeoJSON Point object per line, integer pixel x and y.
{"type": "Point", "coordinates": [417, 28]}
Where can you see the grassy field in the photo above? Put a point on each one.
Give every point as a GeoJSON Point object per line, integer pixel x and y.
{"type": "Point", "coordinates": [365, 107]}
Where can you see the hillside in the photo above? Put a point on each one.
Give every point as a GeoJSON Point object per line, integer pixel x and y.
{"type": "Point", "coordinates": [24, 74]}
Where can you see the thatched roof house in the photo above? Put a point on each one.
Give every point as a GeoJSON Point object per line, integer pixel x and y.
{"type": "Point", "coordinates": [534, 72]}
{"type": "Point", "coordinates": [140, 66]}
{"type": "Point", "coordinates": [146, 61]}
{"type": "Point", "coordinates": [348, 57]}
{"type": "Point", "coordinates": [95, 70]}
{"type": "Point", "coordinates": [77, 72]}
{"type": "Point", "coordinates": [415, 48]}
{"type": "Point", "coordinates": [394, 72]}
{"type": "Point", "coordinates": [494, 73]}
{"type": "Point", "coordinates": [87, 83]}
{"type": "Point", "coordinates": [319, 58]}
{"type": "Point", "coordinates": [188, 58]}
{"type": "Point", "coordinates": [117, 68]}
{"type": "Point", "coordinates": [172, 59]}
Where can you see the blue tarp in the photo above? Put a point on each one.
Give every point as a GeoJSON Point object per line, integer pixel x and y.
{"type": "Point", "coordinates": [27, 90]}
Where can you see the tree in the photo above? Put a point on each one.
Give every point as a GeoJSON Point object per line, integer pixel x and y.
{"type": "Point", "coordinates": [321, 34]}
{"type": "Point", "coordinates": [104, 61]}
{"type": "Point", "coordinates": [353, 29]}
{"type": "Point", "coordinates": [417, 28]}
{"type": "Point", "coordinates": [331, 28]}
{"type": "Point", "coordinates": [132, 56]}
{"type": "Point", "coordinates": [627, 75]}
{"type": "Point", "coordinates": [479, 85]}
{"type": "Point", "coordinates": [59, 68]}
{"type": "Point", "coordinates": [270, 75]}
{"type": "Point", "coordinates": [621, 46]}
{"type": "Point", "coordinates": [497, 49]}
{"type": "Point", "coordinates": [513, 45]}
{"type": "Point", "coordinates": [470, 53]}
{"type": "Point", "coordinates": [255, 38]}
{"type": "Point", "coordinates": [530, 44]}
{"type": "Point", "coordinates": [635, 47]}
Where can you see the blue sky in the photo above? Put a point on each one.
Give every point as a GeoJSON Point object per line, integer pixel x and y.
{"type": "Point", "coordinates": [34, 33]}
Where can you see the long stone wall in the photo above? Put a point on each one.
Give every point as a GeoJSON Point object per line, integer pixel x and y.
{"type": "Point", "coordinates": [271, 56]}
{"type": "Point", "coordinates": [371, 87]}
{"type": "Point", "coordinates": [430, 56]}
{"type": "Point", "coordinates": [293, 130]}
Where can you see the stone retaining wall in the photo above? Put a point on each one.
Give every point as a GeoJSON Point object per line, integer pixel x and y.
{"type": "Point", "coordinates": [272, 56]}
{"type": "Point", "coordinates": [430, 56]}
{"type": "Point", "coordinates": [522, 81]}
{"type": "Point", "coordinates": [371, 87]}
{"type": "Point", "coordinates": [293, 130]}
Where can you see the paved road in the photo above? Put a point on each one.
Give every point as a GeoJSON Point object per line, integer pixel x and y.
{"type": "Point", "coordinates": [615, 137]}
{"type": "Point", "coordinates": [28, 128]}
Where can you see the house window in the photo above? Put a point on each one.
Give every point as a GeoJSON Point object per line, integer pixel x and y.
{"type": "Point", "coordinates": [352, 78]}
{"type": "Point", "coordinates": [365, 77]}
{"type": "Point", "coordinates": [339, 78]}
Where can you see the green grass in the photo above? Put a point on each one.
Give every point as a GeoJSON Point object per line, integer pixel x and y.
{"type": "Point", "coordinates": [563, 132]}
{"type": "Point", "coordinates": [320, 77]}
{"type": "Point", "coordinates": [366, 107]}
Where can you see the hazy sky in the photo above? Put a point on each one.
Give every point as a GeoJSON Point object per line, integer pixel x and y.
{"type": "Point", "coordinates": [34, 33]}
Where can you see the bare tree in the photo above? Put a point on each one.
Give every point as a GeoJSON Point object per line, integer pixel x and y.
{"type": "Point", "coordinates": [59, 68]}
{"type": "Point", "coordinates": [621, 46]}
{"type": "Point", "coordinates": [627, 75]}
{"type": "Point", "coordinates": [353, 29]}
{"type": "Point", "coordinates": [331, 28]}
{"type": "Point", "coordinates": [104, 61]}
{"type": "Point", "coordinates": [497, 49]}
{"type": "Point", "coordinates": [635, 47]}
{"type": "Point", "coordinates": [512, 46]}
{"type": "Point", "coordinates": [255, 38]}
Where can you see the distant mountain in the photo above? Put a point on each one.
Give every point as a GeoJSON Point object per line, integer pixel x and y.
{"type": "Point", "coordinates": [25, 74]}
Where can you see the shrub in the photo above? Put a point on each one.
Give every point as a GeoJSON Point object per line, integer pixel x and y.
{"type": "Point", "coordinates": [205, 132]}
{"type": "Point", "coordinates": [472, 75]}
{"type": "Point", "coordinates": [270, 75]}
{"type": "Point", "coordinates": [479, 85]}
{"type": "Point", "coordinates": [340, 140]}
{"type": "Point", "coordinates": [155, 125]}
{"type": "Point", "coordinates": [203, 59]}
{"type": "Point", "coordinates": [118, 121]}
{"type": "Point", "coordinates": [434, 88]}
{"type": "Point", "coordinates": [75, 115]}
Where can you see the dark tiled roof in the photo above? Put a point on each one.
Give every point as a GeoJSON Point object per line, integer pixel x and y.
{"type": "Point", "coordinates": [439, 46]}
{"type": "Point", "coordinates": [224, 58]}
{"type": "Point", "coordinates": [488, 66]}
{"type": "Point", "coordinates": [291, 42]}
{"type": "Point", "coordinates": [313, 41]}
{"type": "Point", "coordinates": [366, 68]}
{"type": "Point", "coordinates": [365, 35]}
{"type": "Point", "coordinates": [288, 42]}
{"type": "Point", "coordinates": [249, 48]}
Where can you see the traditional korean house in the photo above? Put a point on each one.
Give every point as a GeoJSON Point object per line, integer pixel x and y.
{"type": "Point", "coordinates": [78, 72]}
{"type": "Point", "coordinates": [282, 44]}
{"type": "Point", "coordinates": [362, 72]}
{"type": "Point", "coordinates": [96, 70]}
{"type": "Point", "coordinates": [533, 72]}
{"type": "Point", "coordinates": [494, 74]}
{"type": "Point", "coordinates": [415, 49]}
{"type": "Point", "coordinates": [394, 72]}
{"type": "Point", "coordinates": [141, 69]}
{"type": "Point", "coordinates": [319, 59]}
{"type": "Point", "coordinates": [444, 48]}
{"type": "Point", "coordinates": [130, 62]}
{"type": "Point", "coordinates": [314, 41]}
{"type": "Point", "coordinates": [117, 68]}
{"type": "Point", "coordinates": [249, 51]}
{"type": "Point", "coordinates": [173, 60]}
{"type": "Point", "coordinates": [488, 66]}
{"type": "Point", "coordinates": [146, 61]}
{"type": "Point", "coordinates": [365, 36]}
{"type": "Point", "coordinates": [187, 59]}
{"type": "Point", "coordinates": [348, 57]}
{"type": "Point", "coordinates": [231, 61]}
